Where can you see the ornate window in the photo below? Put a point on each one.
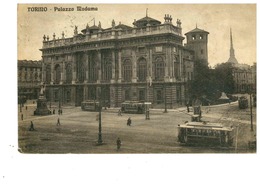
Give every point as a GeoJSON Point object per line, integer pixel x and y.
{"type": "Point", "coordinates": [159, 68]}
{"type": "Point", "coordinates": [107, 70]}
{"type": "Point", "coordinates": [93, 67]}
{"type": "Point", "coordinates": [142, 69]}
{"type": "Point", "coordinates": [80, 67]}
{"type": "Point", "coordinates": [127, 70]}
{"type": "Point", "coordinates": [57, 74]}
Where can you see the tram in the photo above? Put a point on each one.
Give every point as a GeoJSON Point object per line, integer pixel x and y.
{"type": "Point", "coordinates": [133, 107]}
{"type": "Point", "coordinates": [205, 133]}
{"type": "Point", "coordinates": [90, 105]}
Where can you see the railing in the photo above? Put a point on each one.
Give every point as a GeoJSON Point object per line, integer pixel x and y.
{"type": "Point", "coordinates": [111, 34]}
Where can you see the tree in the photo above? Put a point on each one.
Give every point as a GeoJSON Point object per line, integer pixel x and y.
{"type": "Point", "coordinates": [225, 81]}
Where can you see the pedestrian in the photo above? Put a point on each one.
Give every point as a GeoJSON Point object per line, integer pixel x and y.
{"type": "Point", "coordinates": [188, 109]}
{"type": "Point", "coordinates": [129, 121]}
{"type": "Point", "coordinates": [26, 107]}
{"type": "Point", "coordinates": [31, 127]}
{"type": "Point", "coordinates": [61, 111]}
{"type": "Point", "coordinates": [119, 112]}
{"type": "Point", "coordinates": [53, 112]}
{"type": "Point", "coordinates": [22, 117]}
{"type": "Point", "coordinates": [58, 122]}
{"type": "Point", "coordinates": [118, 143]}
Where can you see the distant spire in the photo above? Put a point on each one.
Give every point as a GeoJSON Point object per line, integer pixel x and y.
{"type": "Point", "coordinates": [231, 40]}
{"type": "Point", "coordinates": [146, 12]}
{"type": "Point", "coordinates": [232, 59]}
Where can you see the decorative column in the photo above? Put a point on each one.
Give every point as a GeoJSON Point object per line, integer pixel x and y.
{"type": "Point", "coordinates": [166, 74]}
{"type": "Point", "coordinates": [52, 70]}
{"type": "Point", "coordinates": [62, 72]}
{"type": "Point", "coordinates": [150, 63]}
{"type": "Point", "coordinates": [119, 66]}
{"type": "Point", "coordinates": [86, 67]}
{"type": "Point", "coordinates": [181, 63]}
{"type": "Point", "coordinates": [134, 77]}
{"type": "Point", "coordinates": [73, 68]}
{"type": "Point", "coordinates": [113, 66]}
{"type": "Point", "coordinates": [99, 66]}
{"type": "Point", "coordinates": [43, 77]}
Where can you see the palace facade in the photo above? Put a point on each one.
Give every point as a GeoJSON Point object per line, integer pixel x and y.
{"type": "Point", "coordinates": [144, 62]}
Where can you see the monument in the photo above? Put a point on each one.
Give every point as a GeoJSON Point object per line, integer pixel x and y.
{"type": "Point", "coordinates": [42, 104]}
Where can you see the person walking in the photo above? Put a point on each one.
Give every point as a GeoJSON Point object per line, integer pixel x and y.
{"type": "Point", "coordinates": [31, 127]}
{"type": "Point", "coordinates": [119, 112]}
{"type": "Point", "coordinates": [60, 111]}
{"type": "Point", "coordinates": [58, 122]}
{"type": "Point", "coordinates": [118, 143]}
{"type": "Point", "coordinates": [129, 122]}
{"type": "Point", "coordinates": [22, 117]}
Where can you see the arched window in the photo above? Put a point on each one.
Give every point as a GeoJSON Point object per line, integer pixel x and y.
{"type": "Point", "coordinates": [81, 72]}
{"type": "Point", "coordinates": [68, 73]}
{"type": "Point", "coordinates": [127, 70]}
{"type": "Point", "coordinates": [57, 74]}
{"type": "Point", "coordinates": [159, 68]}
{"type": "Point", "coordinates": [107, 70]}
{"type": "Point", "coordinates": [142, 69]}
{"type": "Point", "coordinates": [93, 67]}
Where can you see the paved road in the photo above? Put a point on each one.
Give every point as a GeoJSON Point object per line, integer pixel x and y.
{"type": "Point", "coordinates": [79, 129]}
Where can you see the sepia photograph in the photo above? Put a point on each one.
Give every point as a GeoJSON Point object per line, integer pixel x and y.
{"type": "Point", "coordinates": [136, 78]}
{"type": "Point", "coordinates": [129, 92]}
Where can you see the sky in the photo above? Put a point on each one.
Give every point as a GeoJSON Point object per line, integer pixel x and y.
{"type": "Point", "coordinates": [217, 19]}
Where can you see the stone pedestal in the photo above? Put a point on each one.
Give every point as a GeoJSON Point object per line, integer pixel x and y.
{"type": "Point", "coordinates": [42, 109]}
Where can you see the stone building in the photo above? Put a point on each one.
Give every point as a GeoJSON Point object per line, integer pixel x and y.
{"type": "Point", "coordinates": [144, 62]}
{"type": "Point", "coordinates": [244, 75]}
{"type": "Point", "coordinates": [29, 78]}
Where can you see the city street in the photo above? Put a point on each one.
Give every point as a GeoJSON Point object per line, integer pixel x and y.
{"type": "Point", "coordinates": [78, 132]}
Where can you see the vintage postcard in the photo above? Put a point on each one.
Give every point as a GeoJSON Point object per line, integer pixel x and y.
{"type": "Point", "coordinates": [136, 78]}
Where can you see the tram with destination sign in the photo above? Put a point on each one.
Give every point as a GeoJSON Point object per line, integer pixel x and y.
{"type": "Point", "coordinates": [133, 107]}
{"type": "Point", "coordinates": [205, 133]}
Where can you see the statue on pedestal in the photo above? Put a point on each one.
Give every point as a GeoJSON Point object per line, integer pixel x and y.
{"type": "Point", "coordinates": [42, 108]}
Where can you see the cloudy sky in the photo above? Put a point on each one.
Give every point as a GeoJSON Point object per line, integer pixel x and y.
{"type": "Point", "coordinates": [217, 19]}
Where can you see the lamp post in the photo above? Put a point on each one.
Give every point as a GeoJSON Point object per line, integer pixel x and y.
{"type": "Point", "coordinates": [99, 119]}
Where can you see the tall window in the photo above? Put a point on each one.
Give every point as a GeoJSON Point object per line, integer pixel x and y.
{"type": "Point", "coordinates": [93, 67]}
{"type": "Point", "coordinates": [127, 70]}
{"type": "Point", "coordinates": [81, 73]}
{"type": "Point", "coordinates": [107, 70]}
{"type": "Point", "coordinates": [68, 73]}
{"type": "Point", "coordinates": [159, 69]}
{"type": "Point", "coordinates": [80, 67]}
{"type": "Point", "coordinates": [142, 70]}
{"type": "Point", "coordinates": [48, 73]}
{"type": "Point", "coordinates": [57, 74]}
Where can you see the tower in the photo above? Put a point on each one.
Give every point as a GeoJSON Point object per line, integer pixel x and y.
{"type": "Point", "coordinates": [232, 59]}
{"type": "Point", "coordinates": [197, 40]}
